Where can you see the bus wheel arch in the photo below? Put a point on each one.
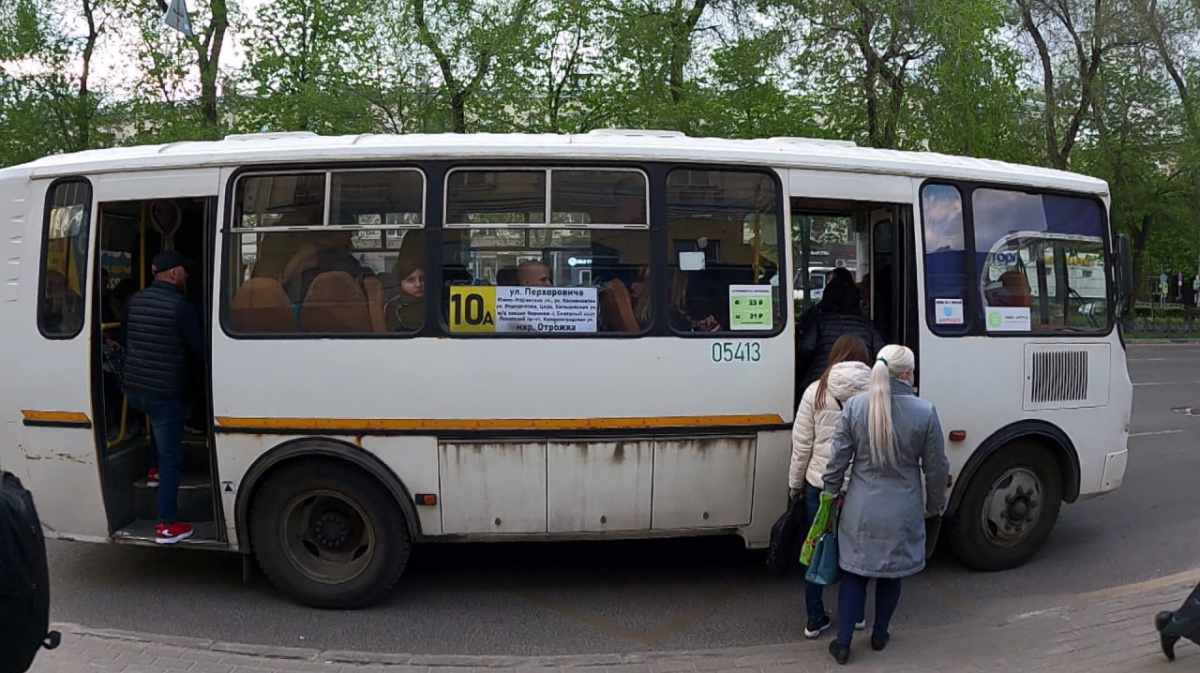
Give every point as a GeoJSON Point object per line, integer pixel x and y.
{"type": "Point", "coordinates": [364, 522]}
{"type": "Point", "coordinates": [1009, 494]}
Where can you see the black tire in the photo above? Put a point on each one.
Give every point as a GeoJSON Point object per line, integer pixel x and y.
{"type": "Point", "coordinates": [328, 535]}
{"type": "Point", "coordinates": [975, 536]}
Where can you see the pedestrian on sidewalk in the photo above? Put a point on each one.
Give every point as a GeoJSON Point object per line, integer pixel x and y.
{"type": "Point", "coordinates": [163, 342]}
{"type": "Point", "coordinates": [894, 439]}
{"type": "Point", "coordinates": [812, 434]}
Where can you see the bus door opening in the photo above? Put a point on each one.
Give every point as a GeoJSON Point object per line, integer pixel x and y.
{"type": "Point", "coordinates": [872, 243]}
{"type": "Point", "coordinates": [131, 234]}
{"type": "Point", "coordinates": [890, 289]}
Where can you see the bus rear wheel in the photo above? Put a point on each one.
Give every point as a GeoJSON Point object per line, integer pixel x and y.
{"type": "Point", "coordinates": [328, 535]}
{"type": "Point", "coordinates": [1009, 509]}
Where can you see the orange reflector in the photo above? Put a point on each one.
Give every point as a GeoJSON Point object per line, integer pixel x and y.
{"type": "Point", "coordinates": [958, 435]}
{"type": "Point", "coordinates": [426, 499]}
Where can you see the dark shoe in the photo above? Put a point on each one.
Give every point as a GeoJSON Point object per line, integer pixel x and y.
{"type": "Point", "coordinates": [815, 628]}
{"type": "Point", "coordinates": [841, 653]}
{"type": "Point", "coordinates": [1166, 642]}
{"type": "Point", "coordinates": [880, 642]}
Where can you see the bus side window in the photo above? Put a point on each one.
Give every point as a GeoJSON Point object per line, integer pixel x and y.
{"type": "Point", "coordinates": [561, 249]}
{"type": "Point", "coordinates": [1043, 265]}
{"type": "Point", "coordinates": [352, 262]}
{"type": "Point", "coordinates": [64, 276]}
{"type": "Point", "coordinates": [945, 259]}
{"type": "Point", "coordinates": [724, 237]}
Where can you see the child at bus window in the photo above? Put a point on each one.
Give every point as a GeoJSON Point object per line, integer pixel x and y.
{"type": "Point", "coordinates": [405, 311]}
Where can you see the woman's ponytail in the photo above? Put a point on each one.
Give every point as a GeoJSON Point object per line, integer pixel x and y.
{"type": "Point", "coordinates": [891, 362]}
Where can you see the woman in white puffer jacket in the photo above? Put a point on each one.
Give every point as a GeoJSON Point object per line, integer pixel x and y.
{"type": "Point", "coordinates": [812, 435]}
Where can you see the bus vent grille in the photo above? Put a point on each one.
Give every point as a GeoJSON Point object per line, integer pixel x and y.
{"type": "Point", "coordinates": [1059, 376]}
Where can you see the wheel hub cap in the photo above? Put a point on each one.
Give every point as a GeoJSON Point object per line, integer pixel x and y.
{"type": "Point", "coordinates": [1012, 507]}
{"type": "Point", "coordinates": [332, 530]}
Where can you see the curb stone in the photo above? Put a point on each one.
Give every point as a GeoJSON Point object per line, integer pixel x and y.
{"type": "Point", "coordinates": [1061, 630]}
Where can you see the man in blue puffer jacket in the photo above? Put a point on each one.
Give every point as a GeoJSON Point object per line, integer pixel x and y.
{"type": "Point", "coordinates": [163, 341]}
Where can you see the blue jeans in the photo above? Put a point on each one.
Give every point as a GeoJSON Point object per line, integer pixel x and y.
{"type": "Point", "coordinates": [852, 604]}
{"type": "Point", "coordinates": [814, 601]}
{"type": "Point", "coordinates": [166, 425]}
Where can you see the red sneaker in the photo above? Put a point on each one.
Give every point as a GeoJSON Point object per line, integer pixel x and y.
{"type": "Point", "coordinates": [170, 533]}
{"type": "Point", "coordinates": [152, 479]}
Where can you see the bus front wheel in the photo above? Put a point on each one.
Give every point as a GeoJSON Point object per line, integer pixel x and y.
{"type": "Point", "coordinates": [328, 535]}
{"type": "Point", "coordinates": [1009, 509]}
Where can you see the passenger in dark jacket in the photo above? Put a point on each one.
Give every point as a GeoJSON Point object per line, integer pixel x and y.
{"type": "Point", "coordinates": [162, 339]}
{"type": "Point", "coordinates": [838, 313]}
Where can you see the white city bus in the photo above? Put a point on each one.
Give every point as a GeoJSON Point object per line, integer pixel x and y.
{"type": "Point", "coordinates": [344, 415]}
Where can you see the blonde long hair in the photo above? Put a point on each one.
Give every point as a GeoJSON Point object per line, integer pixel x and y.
{"type": "Point", "coordinates": [892, 362]}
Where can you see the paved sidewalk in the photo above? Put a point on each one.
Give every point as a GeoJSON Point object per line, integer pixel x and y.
{"type": "Point", "coordinates": [1092, 635]}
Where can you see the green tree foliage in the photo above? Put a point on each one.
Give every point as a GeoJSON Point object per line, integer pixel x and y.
{"type": "Point", "coordinates": [1105, 87]}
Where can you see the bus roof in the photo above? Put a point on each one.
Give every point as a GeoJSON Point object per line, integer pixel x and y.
{"type": "Point", "coordinates": [604, 144]}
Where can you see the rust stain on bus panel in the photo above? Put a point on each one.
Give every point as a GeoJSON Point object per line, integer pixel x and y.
{"type": "Point", "coordinates": [598, 487]}
{"type": "Point", "coordinates": [703, 483]}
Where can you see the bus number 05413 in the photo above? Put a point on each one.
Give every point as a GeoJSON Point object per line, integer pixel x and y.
{"type": "Point", "coordinates": [725, 351]}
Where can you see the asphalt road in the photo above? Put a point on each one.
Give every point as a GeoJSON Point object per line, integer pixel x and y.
{"type": "Point", "coordinates": [604, 597]}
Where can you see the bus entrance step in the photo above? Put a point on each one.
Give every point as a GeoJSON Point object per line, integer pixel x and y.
{"type": "Point", "coordinates": [195, 499]}
{"type": "Point", "coordinates": [195, 455]}
{"type": "Point", "coordinates": [142, 533]}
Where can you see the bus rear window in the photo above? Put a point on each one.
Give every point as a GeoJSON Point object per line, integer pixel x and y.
{"type": "Point", "coordinates": [64, 274]}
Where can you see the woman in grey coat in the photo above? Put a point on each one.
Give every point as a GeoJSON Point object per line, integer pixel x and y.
{"type": "Point", "coordinates": [894, 439]}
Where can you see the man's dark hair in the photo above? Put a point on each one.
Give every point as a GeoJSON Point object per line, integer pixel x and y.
{"type": "Point", "coordinates": [840, 297]}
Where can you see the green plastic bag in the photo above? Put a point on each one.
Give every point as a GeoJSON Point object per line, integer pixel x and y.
{"type": "Point", "coordinates": [820, 525]}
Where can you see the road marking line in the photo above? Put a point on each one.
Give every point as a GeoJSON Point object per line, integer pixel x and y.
{"type": "Point", "coordinates": [1167, 383]}
{"type": "Point", "coordinates": [694, 614]}
{"type": "Point", "coordinates": [595, 621]}
{"type": "Point", "coordinates": [1146, 360]}
{"type": "Point", "coordinates": [1156, 432]}
{"type": "Point", "coordinates": [648, 639]}
{"type": "Point", "coordinates": [1187, 576]}
{"type": "Point", "coordinates": [955, 599]}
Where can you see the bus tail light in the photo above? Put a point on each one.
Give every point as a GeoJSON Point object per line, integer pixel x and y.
{"type": "Point", "coordinates": [958, 435]}
{"type": "Point", "coordinates": [426, 499]}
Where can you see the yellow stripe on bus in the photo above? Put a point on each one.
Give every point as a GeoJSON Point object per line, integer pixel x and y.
{"type": "Point", "coordinates": [378, 424]}
{"type": "Point", "coordinates": [55, 416]}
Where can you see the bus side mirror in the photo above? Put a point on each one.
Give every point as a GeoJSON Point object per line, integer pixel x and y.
{"type": "Point", "coordinates": [1124, 268]}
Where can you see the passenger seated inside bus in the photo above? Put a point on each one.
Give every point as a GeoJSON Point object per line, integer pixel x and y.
{"type": "Point", "coordinates": [1014, 290]}
{"type": "Point", "coordinates": [64, 306]}
{"type": "Point", "coordinates": [678, 316]}
{"type": "Point", "coordinates": [329, 251]}
{"type": "Point", "coordinates": [507, 277]}
{"type": "Point", "coordinates": [405, 307]}
{"type": "Point", "coordinates": [533, 274]}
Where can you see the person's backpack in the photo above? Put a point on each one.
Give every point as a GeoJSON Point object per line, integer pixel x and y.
{"type": "Point", "coordinates": [24, 580]}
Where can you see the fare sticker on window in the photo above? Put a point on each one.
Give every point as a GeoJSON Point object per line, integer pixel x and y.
{"type": "Point", "coordinates": [476, 309]}
{"type": "Point", "coordinates": [948, 311]}
{"type": "Point", "coordinates": [1008, 319]}
{"type": "Point", "coordinates": [750, 307]}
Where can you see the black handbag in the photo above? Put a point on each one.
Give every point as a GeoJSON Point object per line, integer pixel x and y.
{"type": "Point", "coordinates": [787, 536]}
